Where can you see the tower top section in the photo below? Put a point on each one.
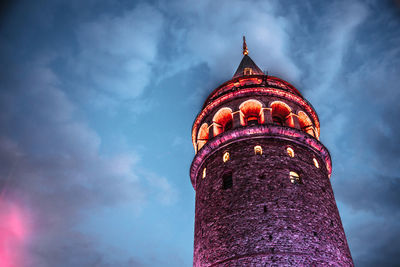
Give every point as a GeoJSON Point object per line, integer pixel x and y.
{"type": "Point", "coordinates": [247, 65]}
{"type": "Point", "coordinates": [254, 105]}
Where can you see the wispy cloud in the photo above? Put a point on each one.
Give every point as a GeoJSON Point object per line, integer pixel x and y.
{"type": "Point", "coordinates": [53, 167]}
{"type": "Point", "coordinates": [116, 52]}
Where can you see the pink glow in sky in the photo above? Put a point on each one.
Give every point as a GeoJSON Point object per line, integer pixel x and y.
{"type": "Point", "coordinates": [13, 233]}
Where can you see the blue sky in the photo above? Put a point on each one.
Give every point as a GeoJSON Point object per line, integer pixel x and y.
{"type": "Point", "coordinates": [98, 98]}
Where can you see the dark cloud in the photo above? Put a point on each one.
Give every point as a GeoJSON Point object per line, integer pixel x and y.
{"type": "Point", "coordinates": [378, 239]}
{"type": "Point", "coordinates": [371, 192]}
{"type": "Point", "coordinates": [356, 97]}
{"type": "Point", "coordinates": [5, 7]}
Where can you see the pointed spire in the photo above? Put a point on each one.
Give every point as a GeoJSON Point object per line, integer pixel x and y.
{"type": "Point", "coordinates": [245, 50]}
{"type": "Point", "coordinates": [247, 65]}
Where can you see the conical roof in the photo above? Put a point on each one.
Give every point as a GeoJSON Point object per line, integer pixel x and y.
{"type": "Point", "coordinates": [246, 64]}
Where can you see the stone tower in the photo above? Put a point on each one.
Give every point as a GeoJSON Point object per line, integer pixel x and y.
{"type": "Point", "coordinates": [261, 176]}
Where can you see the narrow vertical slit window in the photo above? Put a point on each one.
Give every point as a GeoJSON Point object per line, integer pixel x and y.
{"type": "Point", "coordinates": [204, 173]}
{"type": "Point", "coordinates": [227, 181]}
{"type": "Point", "coordinates": [316, 164]}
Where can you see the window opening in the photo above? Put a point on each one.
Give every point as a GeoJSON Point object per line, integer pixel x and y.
{"type": "Point", "coordinates": [204, 173]}
{"type": "Point", "coordinates": [248, 71]}
{"type": "Point", "coordinates": [281, 114]}
{"type": "Point", "coordinates": [258, 150]}
{"type": "Point", "coordinates": [294, 178]}
{"type": "Point", "coordinates": [222, 121]}
{"type": "Point", "coordinates": [251, 112]}
{"type": "Point", "coordinates": [278, 120]}
{"type": "Point", "coordinates": [305, 123]}
{"type": "Point", "coordinates": [225, 157]}
{"type": "Point", "coordinates": [227, 181]}
{"type": "Point", "coordinates": [252, 121]}
{"type": "Point", "coordinates": [290, 152]}
{"type": "Point", "coordinates": [202, 136]}
{"type": "Point", "coordinates": [316, 162]}
{"type": "Point", "coordinates": [228, 126]}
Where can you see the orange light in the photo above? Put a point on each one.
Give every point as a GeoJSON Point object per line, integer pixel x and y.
{"type": "Point", "coordinates": [280, 113]}
{"type": "Point", "coordinates": [305, 123]}
{"type": "Point", "coordinates": [225, 157]}
{"type": "Point", "coordinates": [222, 121]}
{"type": "Point", "coordinates": [204, 173]}
{"type": "Point", "coordinates": [290, 152]}
{"type": "Point", "coordinates": [316, 162]}
{"type": "Point", "coordinates": [294, 177]}
{"type": "Point", "coordinates": [244, 92]}
{"type": "Point", "coordinates": [251, 110]}
{"type": "Point", "coordinates": [202, 136]}
{"type": "Point", "coordinates": [258, 150]}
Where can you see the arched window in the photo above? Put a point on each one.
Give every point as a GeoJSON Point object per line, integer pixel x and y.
{"type": "Point", "coordinates": [280, 113]}
{"type": "Point", "coordinates": [251, 113]}
{"type": "Point", "coordinates": [225, 157]}
{"type": "Point", "coordinates": [295, 178]}
{"type": "Point", "coordinates": [258, 150]}
{"type": "Point", "coordinates": [305, 123]}
{"type": "Point", "coordinates": [202, 136]}
{"type": "Point", "coordinates": [222, 121]}
{"type": "Point", "coordinates": [290, 151]}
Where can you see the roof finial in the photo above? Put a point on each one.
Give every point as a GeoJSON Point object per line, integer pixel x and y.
{"type": "Point", "coordinates": [245, 51]}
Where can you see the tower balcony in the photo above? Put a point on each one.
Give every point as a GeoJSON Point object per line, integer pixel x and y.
{"type": "Point", "coordinates": [251, 105]}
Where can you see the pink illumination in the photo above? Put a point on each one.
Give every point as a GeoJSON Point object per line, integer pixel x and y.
{"type": "Point", "coordinates": [13, 234]}
{"type": "Point", "coordinates": [295, 135]}
{"type": "Point", "coordinates": [254, 79]}
{"type": "Point", "coordinates": [237, 134]}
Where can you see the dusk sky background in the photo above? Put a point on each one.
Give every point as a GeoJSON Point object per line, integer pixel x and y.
{"type": "Point", "coordinates": [97, 101]}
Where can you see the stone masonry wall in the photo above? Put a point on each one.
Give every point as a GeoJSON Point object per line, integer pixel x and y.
{"type": "Point", "coordinates": [264, 219]}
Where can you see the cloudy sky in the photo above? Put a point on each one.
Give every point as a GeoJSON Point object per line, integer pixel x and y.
{"type": "Point", "coordinates": [97, 100]}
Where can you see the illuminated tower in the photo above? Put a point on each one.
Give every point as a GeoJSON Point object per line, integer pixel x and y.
{"type": "Point", "coordinates": [263, 195]}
